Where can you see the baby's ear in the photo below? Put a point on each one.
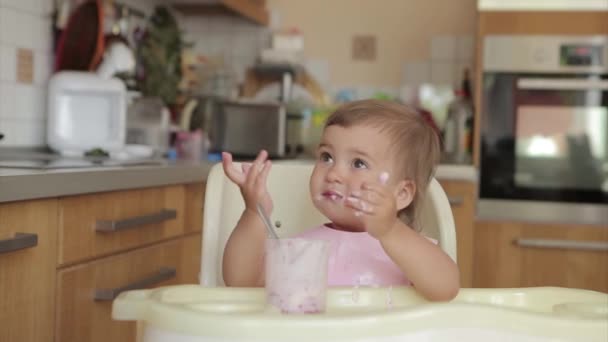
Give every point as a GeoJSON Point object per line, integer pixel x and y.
{"type": "Point", "coordinates": [405, 193]}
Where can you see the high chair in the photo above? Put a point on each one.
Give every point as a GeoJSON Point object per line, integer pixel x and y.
{"type": "Point", "coordinates": [294, 212]}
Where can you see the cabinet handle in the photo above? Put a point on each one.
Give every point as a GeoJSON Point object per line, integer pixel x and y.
{"type": "Point", "coordinates": [19, 241]}
{"type": "Point", "coordinates": [562, 244]}
{"type": "Point", "coordinates": [105, 226]}
{"type": "Point", "coordinates": [455, 201]}
{"type": "Point", "coordinates": [164, 273]}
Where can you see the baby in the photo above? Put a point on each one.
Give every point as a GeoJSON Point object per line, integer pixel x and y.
{"type": "Point", "coordinates": [373, 166]}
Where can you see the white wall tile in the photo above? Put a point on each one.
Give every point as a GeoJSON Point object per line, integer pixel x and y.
{"type": "Point", "coordinates": [320, 70]}
{"type": "Point", "coordinates": [17, 28]}
{"type": "Point", "coordinates": [465, 48]}
{"type": "Point", "coordinates": [416, 73]}
{"type": "Point", "coordinates": [24, 5]}
{"type": "Point", "coordinates": [443, 48]}
{"type": "Point", "coordinates": [8, 63]}
{"type": "Point", "coordinates": [22, 102]}
{"type": "Point", "coordinates": [24, 24]}
{"type": "Point", "coordinates": [29, 102]}
{"type": "Point", "coordinates": [46, 6]}
{"type": "Point", "coordinates": [245, 43]}
{"type": "Point", "coordinates": [31, 6]}
{"type": "Point", "coordinates": [43, 67]}
{"type": "Point", "coordinates": [25, 29]}
{"type": "Point", "coordinates": [23, 133]}
{"type": "Point", "coordinates": [442, 73]}
{"type": "Point", "coordinates": [42, 34]}
{"type": "Point", "coordinates": [7, 100]}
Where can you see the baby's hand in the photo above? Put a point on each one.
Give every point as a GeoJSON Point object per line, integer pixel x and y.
{"type": "Point", "coordinates": [375, 205]}
{"type": "Point", "coordinates": [251, 179]}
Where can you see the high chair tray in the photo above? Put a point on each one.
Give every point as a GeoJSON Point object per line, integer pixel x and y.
{"type": "Point", "coordinates": [189, 313]}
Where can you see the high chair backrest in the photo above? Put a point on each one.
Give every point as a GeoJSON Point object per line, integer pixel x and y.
{"type": "Point", "coordinates": [294, 212]}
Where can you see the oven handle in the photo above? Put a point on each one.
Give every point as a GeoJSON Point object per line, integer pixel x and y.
{"type": "Point", "coordinates": [561, 84]}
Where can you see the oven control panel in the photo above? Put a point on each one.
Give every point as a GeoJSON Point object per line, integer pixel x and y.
{"type": "Point", "coordinates": [545, 54]}
{"type": "Point", "coordinates": [581, 55]}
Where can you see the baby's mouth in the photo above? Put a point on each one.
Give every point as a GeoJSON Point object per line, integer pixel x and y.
{"type": "Point", "coordinates": [333, 195]}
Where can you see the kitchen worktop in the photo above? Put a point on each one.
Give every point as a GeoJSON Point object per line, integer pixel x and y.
{"type": "Point", "coordinates": [24, 184]}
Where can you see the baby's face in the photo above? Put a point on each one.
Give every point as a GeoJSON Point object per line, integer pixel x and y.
{"type": "Point", "coordinates": [346, 158]}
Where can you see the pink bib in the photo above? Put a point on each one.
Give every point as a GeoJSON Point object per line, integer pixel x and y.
{"type": "Point", "coordinates": [356, 259]}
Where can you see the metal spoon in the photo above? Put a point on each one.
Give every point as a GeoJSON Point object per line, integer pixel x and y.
{"type": "Point", "coordinates": [267, 222]}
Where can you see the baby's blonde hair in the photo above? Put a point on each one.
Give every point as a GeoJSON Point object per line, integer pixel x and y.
{"type": "Point", "coordinates": [415, 143]}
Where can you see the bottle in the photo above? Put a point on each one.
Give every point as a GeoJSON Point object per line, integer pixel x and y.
{"type": "Point", "coordinates": [458, 128]}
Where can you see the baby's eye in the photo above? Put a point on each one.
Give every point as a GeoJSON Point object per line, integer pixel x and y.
{"type": "Point", "coordinates": [325, 157]}
{"type": "Point", "coordinates": [359, 164]}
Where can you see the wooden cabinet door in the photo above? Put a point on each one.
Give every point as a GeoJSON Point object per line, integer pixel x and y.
{"type": "Point", "coordinates": [28, 247]}
{"type": "Point", "coordinates": [462, 197]}
{"type": "Point", "coordinates": [85, 291]}
{"type": "Point", "coordinates": [195, 197]}
{"type": "Point", "coordinates": [511, 254]}
{"type": "Point", "coordinates": [102, 224]}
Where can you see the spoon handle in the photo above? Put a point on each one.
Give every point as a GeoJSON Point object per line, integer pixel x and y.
{"type": "Point", "coordinates": [267, 223]}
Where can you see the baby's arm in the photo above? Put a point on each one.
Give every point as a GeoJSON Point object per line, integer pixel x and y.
{"type": "Point", "coordinates": [433, 273]}
{"type": "Point", "coordinates": [243, 263]}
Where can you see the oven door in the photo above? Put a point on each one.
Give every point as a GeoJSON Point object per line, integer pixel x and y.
{"type": "Point", "coordinates": [545, 138]}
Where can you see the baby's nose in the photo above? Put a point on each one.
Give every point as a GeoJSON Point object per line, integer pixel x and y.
{"type": "Point", "coordinates": [335, 175]}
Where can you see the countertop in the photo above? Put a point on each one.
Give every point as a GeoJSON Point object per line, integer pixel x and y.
{"type": "Point", "coordinates": [24, 184]}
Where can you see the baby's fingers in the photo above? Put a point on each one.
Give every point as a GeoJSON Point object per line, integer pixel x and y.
{"type": "Point", "coordinates": [359, 205]}
{"type": "Point", "coordinates": [230, 169]}
{"type": "Point", "coordinates": [245, 167]}
{"type": "Point", "coordinates": [256, 168]}
{"type": "Point", "coordinates": [263, 176]}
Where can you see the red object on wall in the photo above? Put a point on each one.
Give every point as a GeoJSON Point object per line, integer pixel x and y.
{"type": "Point", "coordinates": [81, 44]}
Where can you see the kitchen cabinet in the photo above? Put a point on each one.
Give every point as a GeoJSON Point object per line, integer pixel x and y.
{"type": "Point", "coordinates": [462, 195]}
{"type": "Point", "coordinates": [63, 260]}
{"type": "Point", "coordinates": [516, 254]}
{"type": "Point", "coordinates": [253, 10]}
{"type": "Point", "coordinates": [100, 224]}
{"type": "Point", "coordinates": [28, 248]}
{"type": "Point", "coordinates": [85, 292]}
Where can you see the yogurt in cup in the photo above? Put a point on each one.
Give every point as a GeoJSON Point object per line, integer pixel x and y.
{"type": "Point", "coordinates": [296, 274]}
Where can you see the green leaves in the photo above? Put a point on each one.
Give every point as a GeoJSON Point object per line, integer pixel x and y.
{"type": "Point", "coordinates": [159, 54]}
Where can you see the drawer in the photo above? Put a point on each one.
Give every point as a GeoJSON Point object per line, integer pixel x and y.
{"type": "Point", "coordinates": [28, 247]}
{"type": "Point", "coordinates": [85, 292]}
{"type": "Point", "coordinates": [101, 224]}
{"type": "Point", "coordinates": [458, 192]}
{"type": "Point", "coordinates": [518, 254]}
{"type": "Point", "coordinates": [195, 197]}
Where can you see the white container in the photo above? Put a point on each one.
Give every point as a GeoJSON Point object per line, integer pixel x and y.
{"type": "Point", "coordinates": [191, 313]}
{"type": "Point", "coordinates": [296, 274]}
{"type": "Point", "coordinates": [85, 112]}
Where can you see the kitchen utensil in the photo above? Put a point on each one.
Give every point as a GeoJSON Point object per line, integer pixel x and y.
{"type": "Point", "coordinates": [118, 58]}
{"type": "Point", "coordinates": [267, 222]}
{"type": "Point", "coordinates": [246, 127]}
{"type": "Point", "coordinates": [148, 123]}
{"type": "Point", "coordinates": [81, 44]}
{"type": "Point", "coordinates": [296, 275]}
{"type": "Point", "coordinates": [85, 112]}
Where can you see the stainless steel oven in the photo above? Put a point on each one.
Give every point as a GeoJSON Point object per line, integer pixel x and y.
{"type": "Point", "coordinates": [544, 129]}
